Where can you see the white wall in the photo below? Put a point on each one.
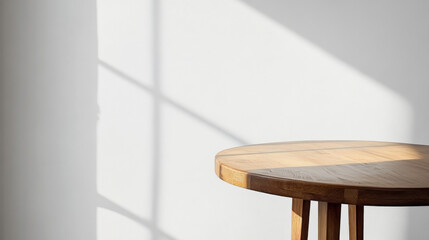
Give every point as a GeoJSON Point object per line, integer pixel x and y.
{"type": "Point", "coordinates": [179, 81]}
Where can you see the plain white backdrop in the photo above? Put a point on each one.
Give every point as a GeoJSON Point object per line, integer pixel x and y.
{"type": "Point", "coordinates": [112, 111]}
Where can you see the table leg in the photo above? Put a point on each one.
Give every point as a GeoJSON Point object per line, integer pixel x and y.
{"type": "Point", "coordinates": [300, 217]}
{"type": "Point", "coordinates": [329, 221]}
{"type": "Point", "coordinates": [356, 222]}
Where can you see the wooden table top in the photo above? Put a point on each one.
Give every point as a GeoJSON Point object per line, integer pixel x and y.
{"type": "Point", "coordinates": [351, 172]}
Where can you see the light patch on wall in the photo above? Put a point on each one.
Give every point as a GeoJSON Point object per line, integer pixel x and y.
{"type": "Point", "coordinates": [124, 130]}
{"type": "Point", "coordinates": [125, 36]}
{"type": "Point", "coordinates": [124, 145]}
{"type": "Point", "coordinates": [113, 226]}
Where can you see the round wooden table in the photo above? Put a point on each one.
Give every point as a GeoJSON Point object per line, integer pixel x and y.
{"type": "Point", "coordinates": [356, 173]}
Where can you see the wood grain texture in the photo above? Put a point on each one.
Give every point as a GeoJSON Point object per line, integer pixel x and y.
{"type": "Point", "coordinates": [300, 219]}
{"type": "Point", "coordinates": [356, 222]}
{"type": "Point", "coordinates": [351, 172]}
{"type": "Point", "coordinates": [329, 221]}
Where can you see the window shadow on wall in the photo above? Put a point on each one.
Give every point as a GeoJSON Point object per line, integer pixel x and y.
{"type": "Point", "coordinates": [159, 98]}
{"type": "Point", "coordinates": [154, 90]}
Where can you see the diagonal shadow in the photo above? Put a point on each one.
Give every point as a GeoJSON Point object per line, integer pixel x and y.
{"type": "Point", "coordinates": [174, 104]}
{"type": "Point", "coordinates": [158, 99]}
{"type": "Point", "coordinates": [108, 204]}
{"type": "Point", "coordinates": [156, 116]}
{"type": "Point", "coordinates": [385, 40]}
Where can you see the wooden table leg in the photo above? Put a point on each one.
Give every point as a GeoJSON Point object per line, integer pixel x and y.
{"type": "Point", "coordinates": [329, 221]}
{"type": "Point", "coordinates": [300, 217]}
{"type": "Point", "coordinates": [356, 222]}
